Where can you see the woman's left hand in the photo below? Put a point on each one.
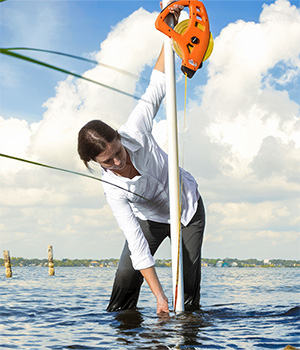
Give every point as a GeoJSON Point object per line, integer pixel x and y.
{"type": "Point", "coordinates": [175, 10]}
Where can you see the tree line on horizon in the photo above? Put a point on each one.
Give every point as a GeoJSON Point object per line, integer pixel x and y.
{"type": "Point", "coordinates": [112, 262]}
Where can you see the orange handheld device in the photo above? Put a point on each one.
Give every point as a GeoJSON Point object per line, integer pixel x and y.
{"type": "Point", "coordinates": [192, 40]}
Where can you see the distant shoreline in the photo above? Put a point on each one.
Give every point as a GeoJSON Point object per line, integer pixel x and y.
{"type": "Point", "coordinates": [206, 262]}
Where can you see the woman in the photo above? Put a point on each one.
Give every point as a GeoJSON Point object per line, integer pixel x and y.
{"type": "Point", "coordinates": [131, 159]}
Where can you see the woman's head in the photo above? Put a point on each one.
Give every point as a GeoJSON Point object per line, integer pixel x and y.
{"type": "Point", "coordinates": [93, 139]}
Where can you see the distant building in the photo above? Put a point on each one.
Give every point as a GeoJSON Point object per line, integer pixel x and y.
{"type": "Point", "coordinates": [266, 261]}
{"type": "Point", "coordinates": [94, 264]}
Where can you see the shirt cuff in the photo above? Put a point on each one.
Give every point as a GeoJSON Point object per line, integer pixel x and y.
{"type": "Point", "coordinates": [143, 264]}
{"type": "Point", "coordinates": [158, 75]}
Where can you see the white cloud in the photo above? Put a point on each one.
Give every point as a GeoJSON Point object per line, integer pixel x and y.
{"type": "Point", "coordinates": [239, 110]}
{"type": "Point", "coordinates": [61, 205]}
{"type": "Point", "coordinates": [241, 143]}
{"type": "Point", "coordinates": [255, 216]}
{"type": "Point", "coordinates": [245, 135]}
{"type": "Point", "coordinates": [277, 158]}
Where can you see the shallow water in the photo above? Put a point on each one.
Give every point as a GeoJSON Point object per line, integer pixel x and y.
{"type": "Point", "coordinates": [242, 308]}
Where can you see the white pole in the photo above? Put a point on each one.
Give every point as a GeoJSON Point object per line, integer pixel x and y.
{"type": "Point", "coordinates": [174, 186]}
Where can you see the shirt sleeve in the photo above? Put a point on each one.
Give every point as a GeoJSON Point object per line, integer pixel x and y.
{"type": "Point", "coordinates": [141, 118]}
{"type": "Point", "coordinates": [140, 252]}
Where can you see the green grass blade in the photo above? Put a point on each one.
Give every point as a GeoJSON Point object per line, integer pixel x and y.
{"type": "Point", "coordinates": [75, 57]}
{"type": "Point", "coordinates": [68, 171]}
{"type": "Point", "coordinates": [44, 64]}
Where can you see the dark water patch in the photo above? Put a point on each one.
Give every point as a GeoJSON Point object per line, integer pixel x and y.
{"type": "Point", "coordinates": [244, 312]}
{"type": "Point", "coordinates": [64, 323]}
{"type": "Point", "coordinates": [222, 305]}
{"type": "Point", "coordinates": [13, 312]}
{"type": "Point", "coordinates": [93, 316]}
{"type": "Point", "coordinates": [78, 347]}
{"type": "Point", "coordinates": [127, 320]}
{"type": "Point", "coordinates": [294, 311]}
{"type": "Point", "coordinates": [8, 346]}
{"type": "Point", "coordinates": [74, 346]}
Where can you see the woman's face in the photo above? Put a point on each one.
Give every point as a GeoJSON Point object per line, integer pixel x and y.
{"type": "Point", "coordinates": [114, 157]}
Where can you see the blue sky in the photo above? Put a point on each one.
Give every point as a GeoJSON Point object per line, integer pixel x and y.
{"type": "Point", "coordinates": [242, 123]}
{"type": "Point", "coordinates": [76, 27]}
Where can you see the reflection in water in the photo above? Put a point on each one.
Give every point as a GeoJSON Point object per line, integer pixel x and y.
{"type": "Point", "coordinates": [179, 331]}
{"type": "Point", "coordinates": [190, 326]}
{"type": "Point", "coordinates": [128, 319]}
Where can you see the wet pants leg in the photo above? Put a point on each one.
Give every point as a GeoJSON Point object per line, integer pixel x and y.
{"type": "Point", "coordinates": [192, 239]}
{"type": "Point", "coordinates": [127, 283]}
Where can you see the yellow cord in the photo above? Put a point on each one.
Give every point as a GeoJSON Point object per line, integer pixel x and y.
{"type": "Point", "coordinates": [184, 110]}
{"type": "Point", "coordinates": [180, 202]}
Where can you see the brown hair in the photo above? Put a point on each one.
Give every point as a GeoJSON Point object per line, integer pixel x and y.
{"type": "Point", "coordinates": [93, 139]}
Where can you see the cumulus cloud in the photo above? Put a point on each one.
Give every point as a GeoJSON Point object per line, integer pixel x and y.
{"type": "Point", "coordinates": [247, 109]}
{"type": "Point", "coordinates": [246, 145]}
{"type": "Point", "coordinates": [61, 206]}
{"type": "Point", "coordinates": [241, 143]}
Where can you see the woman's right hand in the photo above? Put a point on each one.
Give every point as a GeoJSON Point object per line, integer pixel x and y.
{"type": "Point", "coordinates": [162, 302]}
{"type": "Point", "coordinates": [162, 305]}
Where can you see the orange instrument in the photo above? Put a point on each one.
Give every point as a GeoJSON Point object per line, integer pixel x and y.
{"type": "Point", "coordinates": [192, 39]}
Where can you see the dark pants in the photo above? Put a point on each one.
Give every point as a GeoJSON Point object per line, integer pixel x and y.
{"type": "Point", "coordinates": [128, 281]}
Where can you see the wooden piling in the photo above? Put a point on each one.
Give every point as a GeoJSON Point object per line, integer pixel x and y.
{"type": "Point", "coordinates": [50, 260]}
{"type": "Point", "coordinates": [7, 263]}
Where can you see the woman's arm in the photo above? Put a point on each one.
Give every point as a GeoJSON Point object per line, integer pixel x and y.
{"type": "Point", "coordinates": [160, 63]}
{"type": "Point", "coordinates": [139, 247]}
{"type": "Point", "coordinates": [151, 277]}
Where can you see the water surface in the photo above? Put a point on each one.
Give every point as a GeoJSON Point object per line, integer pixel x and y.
{"type": "Point", "coordinates": [242, 308]}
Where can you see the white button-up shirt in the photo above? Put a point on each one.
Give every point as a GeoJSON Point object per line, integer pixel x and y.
{"type": "Point", "coordinates": [148, 198]}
